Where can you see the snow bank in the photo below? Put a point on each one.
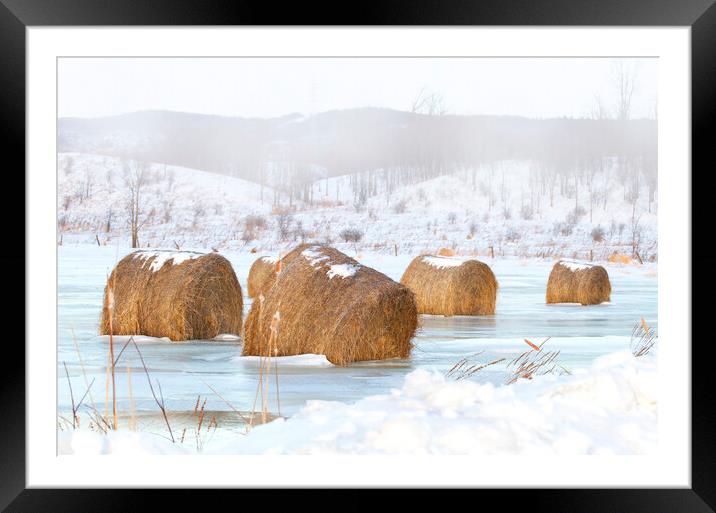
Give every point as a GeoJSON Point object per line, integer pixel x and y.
{"type": "Point", "coordinates": [139, 339]}
{"type": "Point", "coordinates": [608, 409]}
{"type": "Point", "coordinates": [226, 336]}
{"type": "Point", "coordinates": [305, 360]}
{"type": "Point", "coordinates": [162, 256]}
{"type": "Point", "coordinates": [122, 443]}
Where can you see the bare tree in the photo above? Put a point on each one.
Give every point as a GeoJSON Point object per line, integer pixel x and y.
{"type": "Point", "coordinates": [599, 110]}
{"type": "Point", "coordinates": [430, 103]}
{"type": "Point", "coordinates": [136, 176]}
{"type": "Point", "coordinates": [625, 76]}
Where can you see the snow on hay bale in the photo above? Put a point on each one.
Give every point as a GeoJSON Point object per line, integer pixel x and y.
{"type": "Point", "coordinates": [451, 286]}
{"type": "Point", "coordinates": [181, 295]}
{"type": "Point", "coordinates": [324, 302]}
{"type": "Point", "coordinates": [578, 282]}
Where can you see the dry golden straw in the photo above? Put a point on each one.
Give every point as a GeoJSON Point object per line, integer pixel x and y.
{"type": "Point", "coordinates": [576, 282]}
{"type": "Point", "coordinates": [188, 296]}
{"type": "Point", "coordinates": [446, 286]}
{"type": "Point", "coordinates": [262, 275]}
{"type": "Point", "coordinates": [264, 270]}
{"type": "Point", "coordinates": [330, 304]}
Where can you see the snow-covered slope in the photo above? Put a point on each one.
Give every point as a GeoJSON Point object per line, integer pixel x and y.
{"type": "Point", "coordinates": [509, 208]}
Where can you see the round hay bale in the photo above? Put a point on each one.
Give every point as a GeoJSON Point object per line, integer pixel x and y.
{"type": "Point", "coordinates": [263, 272]}
{"type": "Point", "coordinates": [578, 282]}
{"type": "Point", "coordinates": [448, 252]}
{"type": "Point", "coordinates": [619, 258]}
{"type": "Point", "coordinates": [325, 302]}
{"type": "Point", "coordinates": [181, 295]}
{"type": "Point", "coordinates": [451, 286]}
{"type": "Point", "coordinates": [262, 275]}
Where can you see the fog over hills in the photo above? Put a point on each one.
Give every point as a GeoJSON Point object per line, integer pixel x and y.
{"type": "Point", "coordinates": [414, 146]}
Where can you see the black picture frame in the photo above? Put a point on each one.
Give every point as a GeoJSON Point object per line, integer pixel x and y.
{"type": "Point", "coordinates": [17, 15]}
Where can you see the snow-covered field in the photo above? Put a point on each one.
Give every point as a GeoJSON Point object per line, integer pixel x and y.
{"type": "Point", "coordinates": [509, 208]}
{"type": "Point", "coordinates": [606, 404]}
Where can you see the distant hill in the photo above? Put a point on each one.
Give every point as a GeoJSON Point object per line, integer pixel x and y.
{"type": "Point", "coordinates": [351, 141]}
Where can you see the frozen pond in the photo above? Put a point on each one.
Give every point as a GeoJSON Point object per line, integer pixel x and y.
{"type": "Point", "coordinates": [186, 370]}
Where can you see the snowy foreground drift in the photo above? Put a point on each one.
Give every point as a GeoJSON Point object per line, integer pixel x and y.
{"type": "Point", "coordinates": [610, 408]}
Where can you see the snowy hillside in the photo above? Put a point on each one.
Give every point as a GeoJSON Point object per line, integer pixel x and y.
{"type": "Point", "coordinates": [509, 208]}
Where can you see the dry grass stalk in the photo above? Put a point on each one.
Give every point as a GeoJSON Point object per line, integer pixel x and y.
{"type": "Point", "coordinates": [446, 286]}
{"type": "Point", "coordinates": [332, 305]}
{"type": "Point", "coordinates": [571, 282]}
{"type": "Point", "coordinates": [132, 407]}
{"type": "Point", "coordinates": [159, 402]}
{"type": "Point", "coordinates": [643, 338]}
{"type": "Point", "coordinates": [110, 309]}
{"type": "Point", "coordinates": [262, 275]}
{"type": "Point", "coordinates": [535, 362]}
{"type": "Point", "coordinates": [265, 270]}
{"type": "Point", "coordinates": [198, 298]}
{"type": "Point", "coordinates": [463, 369]}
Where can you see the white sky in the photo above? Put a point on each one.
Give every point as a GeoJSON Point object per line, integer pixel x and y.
{"type": "Point", "coordinates": [267, 87]}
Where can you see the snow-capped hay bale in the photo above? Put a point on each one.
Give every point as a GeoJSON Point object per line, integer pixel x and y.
{"type": "Point", "coordinates": [325, 302]}
{"type": "Point", "coordinates": [262, 275]}
{"type": "Point", "coordinates": [448, 252]}
{"type": "Point", "coordinates": [181, 295]}
{"type": "Point", "coordinates": [263, 272]}
{"type": "Point", "coordinates": [578, 282]}
{"type": "Point", "coordinates": [451, 286]}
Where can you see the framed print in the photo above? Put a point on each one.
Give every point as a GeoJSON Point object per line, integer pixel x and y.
{"type": "Point", "coordinates": [441, 249]}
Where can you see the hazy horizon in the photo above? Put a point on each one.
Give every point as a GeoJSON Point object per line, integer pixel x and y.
{"type": "Point", "coordinates": [537, 88]}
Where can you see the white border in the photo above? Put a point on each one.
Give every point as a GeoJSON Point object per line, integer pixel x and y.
{"type": "Point", "coordinates": [670, 466]}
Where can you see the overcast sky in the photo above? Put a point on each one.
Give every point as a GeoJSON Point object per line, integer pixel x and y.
{"type": "Point", "coordinates": [267, 87]}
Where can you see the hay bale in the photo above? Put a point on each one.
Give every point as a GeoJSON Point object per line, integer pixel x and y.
{"type": "Point", "coordinates": [263, 272]}
{"type": "Point", "coordinates": [448, 252]}
{"type": "Point", "coordinates": [327, 303]}
{"type": "Point", "coordinates": [619, 258]}
{"type": "Point", "coordinates": [262, 275]}
{"type": "Point", "coordinates": [578, 282]}
{"type": "Point", "coordinates": [451, 286]}
{"type": "Point", "coordinates": [177, 294]}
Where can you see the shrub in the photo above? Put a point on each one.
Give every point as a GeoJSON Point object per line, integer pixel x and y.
{"type": "Point", "coordinates": [254, 222]}
{"type": "Point", "coordinates": [473, 229]}
{"type": "Point", "coordinates": [351, 235]}
{"type": "Point", "coordinates": [507, 214]}
{"type": "Point", "coordinates": [400, 207]}
{"type": "Point", "coordinates": [452, 217]}
{"type": "Point", "coordinates": [283, 224]}
{"type": "Point", "coordinates": [526, 213]}
{"type": "Point", "coordinates": [598, 234]}
{"type": "Point", "coordinates": [512, 235]}
{"type": "Point", "coordinates": [564, 229]}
